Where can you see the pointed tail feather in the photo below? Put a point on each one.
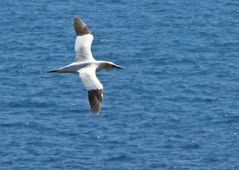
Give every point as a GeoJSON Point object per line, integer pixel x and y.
{"type": "Point", "coordinates": [53, 71]}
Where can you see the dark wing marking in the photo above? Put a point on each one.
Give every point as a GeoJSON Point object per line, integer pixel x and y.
{"type": "Point", "coordinates": [95, 99]}
{"type": "Point", "coordinates": [80, 27]}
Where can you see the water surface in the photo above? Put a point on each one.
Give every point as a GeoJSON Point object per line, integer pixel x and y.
{"type": "Point", "coordinates": [173, 106]}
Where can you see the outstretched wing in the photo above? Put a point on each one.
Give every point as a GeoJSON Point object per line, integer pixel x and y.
{"type": "Point", "coordinates": [93, 86]}
{"type": "Point", "coordinates": [83, 41]}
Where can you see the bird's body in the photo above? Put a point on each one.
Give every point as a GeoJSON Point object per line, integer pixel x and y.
{"type": "Point", "coordinates": [76, 66]}
{"type": "Point", "coordinates": [86, 66]}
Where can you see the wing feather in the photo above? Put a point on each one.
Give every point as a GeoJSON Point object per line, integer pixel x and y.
{"type": "Point", "coordinates": [93, 86]}
{"type": "Point", "coordinates": [80, 27]}
{"type": "Point", "coordinates": [95, 99]}
{"type": "Point", "coordinates": [83, 41]}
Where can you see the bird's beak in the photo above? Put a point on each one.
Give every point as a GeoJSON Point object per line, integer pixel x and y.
{"type": "Point", "coordinates": [117, 66]}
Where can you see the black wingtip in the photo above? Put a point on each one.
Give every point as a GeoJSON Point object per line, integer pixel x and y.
{"type": "Point", "coordinates": [95, 98]}
{"type": "Point", "coordinates": [80, 27]}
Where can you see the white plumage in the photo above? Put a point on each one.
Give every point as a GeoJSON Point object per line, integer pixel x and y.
{"type": "Point", "coordinates": [86, 66]}
{"type": "Point", "coordinates": [83, 48]}
{"type": "Point", "coordinates": [88, 76]}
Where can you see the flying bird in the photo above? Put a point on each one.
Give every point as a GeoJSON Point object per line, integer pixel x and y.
{"type": "Point", "coordinates": [86, 66]}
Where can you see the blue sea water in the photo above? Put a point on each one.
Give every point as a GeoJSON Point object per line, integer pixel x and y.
{"type": "Point", "coordinates": [175, 105]}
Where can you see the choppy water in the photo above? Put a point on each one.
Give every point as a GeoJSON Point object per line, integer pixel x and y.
{"type": "Point", "coordinates": [173, 106]}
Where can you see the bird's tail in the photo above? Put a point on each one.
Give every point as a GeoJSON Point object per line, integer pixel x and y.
{"type": "Point", "coordinates": [53, 71]}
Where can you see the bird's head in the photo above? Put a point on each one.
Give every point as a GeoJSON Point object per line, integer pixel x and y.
{"type": "Point", "coordinates": [110, 65]}
{"type": "Point", "coordinates": [107, 66]}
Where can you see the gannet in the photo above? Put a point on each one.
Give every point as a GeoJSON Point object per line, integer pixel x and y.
{"type": "Point", "coordinates": [86, 66]}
